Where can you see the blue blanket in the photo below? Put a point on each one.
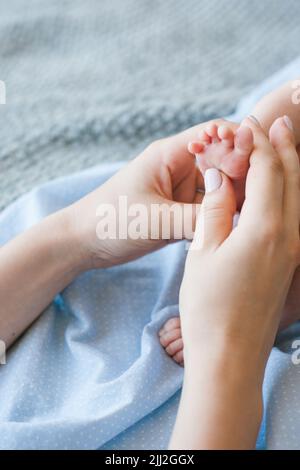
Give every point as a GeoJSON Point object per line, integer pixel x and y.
{"type": "Point", "coordinates": [90, 372]}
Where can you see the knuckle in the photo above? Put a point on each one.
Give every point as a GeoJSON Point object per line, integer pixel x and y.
{"type": "Point", "coordinates": [274, 165]}
{"type": "Point", "coordinates": [271, 231]}
{"type": "Point", "coordinates": [271, 164]}
{"type": "Point", "coordinates": [213, 208]}
{"type": "Point", "coordinates": [274, 236]}
{"type": "Point", "coordinates": [293, 250]}
{"type": "Point", "coordinates": [173, 323]}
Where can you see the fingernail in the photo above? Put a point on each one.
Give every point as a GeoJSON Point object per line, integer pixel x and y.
{"type": "Point", "coordinates": [235, 220]}
{"type": "Point", "coordinates": [253, 119]}
{"type": "Point", "coordinates": [212, 180]}
{"type": "Point", "coordinates": [288, 123]}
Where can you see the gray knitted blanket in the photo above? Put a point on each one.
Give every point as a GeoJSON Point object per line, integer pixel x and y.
{"type": "Point", "coordinates": [96, 80]}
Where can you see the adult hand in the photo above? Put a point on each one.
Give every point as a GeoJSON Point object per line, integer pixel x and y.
{"type": "Point", "coordinates": [165, 174]}
{"type": "Point", "coordinates": [233, 291]}
{"type": "Point", "coordinates": [42, 261]}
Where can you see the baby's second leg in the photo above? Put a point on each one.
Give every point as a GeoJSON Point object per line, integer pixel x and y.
{"type": "Point", "coordinates": [284, 101]}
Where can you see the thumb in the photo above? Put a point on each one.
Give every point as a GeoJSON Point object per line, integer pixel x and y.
{"type": "Point", "coordinates": [214, 223]}
{"type": "Point", "coordinates": [177, 220]}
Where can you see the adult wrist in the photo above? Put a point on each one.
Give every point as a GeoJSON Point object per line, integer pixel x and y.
{"type": "Point", "coordinates": [83, 241]}
{"type": "Point", "coordinates": [64, 245]}
{"type": "Point", "coordinates": [228, 406]}
{"type": "Point", "coordinates": [221, 405]}
{"type": "Point", "coordinates": [226, 358]}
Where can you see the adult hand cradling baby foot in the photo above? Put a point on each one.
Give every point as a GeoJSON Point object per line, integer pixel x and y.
{"type": "Point", "coordinates": [234, 287]}
{"type": "Point", "coordinates": [164, 174]}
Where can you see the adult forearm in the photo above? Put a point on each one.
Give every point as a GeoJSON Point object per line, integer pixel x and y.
{"type": "Point", "coordinates": [221, 405]}
{"type": "Point", "coordinates": [34, 267]}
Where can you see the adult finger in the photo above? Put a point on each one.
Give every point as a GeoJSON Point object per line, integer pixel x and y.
{"type": "Point", "coordinates": [282, 139]}
{"type": "Point", "coordinates": [218, 207]}
{"type": "Point", "coordinates": [265, 182]}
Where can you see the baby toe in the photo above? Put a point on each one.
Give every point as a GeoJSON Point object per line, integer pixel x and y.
{"type": "Point", "coordinates": [204, 137]}
{"type": "Point", "coordinates": [169, 337]}
{"type": "Point", "coordinates": [174, 347]}
{"type": "Point", "coordinates": [212, 130]}
{"type": "Point", "coordinates": [237, 165]}
{"type": "Point", "coordinates": [226, 135]}
{"type": "Point", "coordinates": [171, 324]}
{"type": "Point", "coordinates": [178, 357]}
{"type": "Point", "coordinates": [195, 147]}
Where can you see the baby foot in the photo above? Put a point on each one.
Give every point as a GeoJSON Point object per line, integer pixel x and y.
{"type": "Point", "coordinates": [218, 147]}
{"type": "Point", "coordinates": [171, 339]}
